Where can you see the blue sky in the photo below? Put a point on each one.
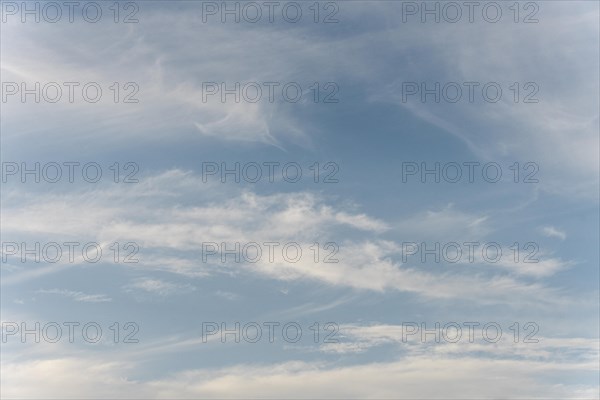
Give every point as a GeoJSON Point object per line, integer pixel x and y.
{"type": "Point", "coordinates": [376, 290]}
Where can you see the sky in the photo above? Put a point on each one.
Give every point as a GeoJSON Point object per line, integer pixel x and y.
{"type": "Point", "coordinates": [333, 199]}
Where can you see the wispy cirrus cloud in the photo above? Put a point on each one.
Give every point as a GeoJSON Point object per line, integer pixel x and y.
{"type": "Point", "coordinates": [77, 296]}
{"type": "Point", "coordinates": [464, 377]}
{"type": "Point", "coordinates": [158, 287]}
{"type": "Point", "coordinates": [550, 231]}
{"type": "Point", "coordinates": [172, 238]}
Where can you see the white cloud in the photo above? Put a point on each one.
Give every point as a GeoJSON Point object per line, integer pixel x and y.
{"type": "Point", "coordinates": [459, 378]}
{"type": "Point", "coordinates": [77, 296]}
{"type": "Point", "coordinates": [550, 231]}
{"type": "Point", "coordinates": [545, 266]}
{"type": "Point", "coordinates": [168, 233]}
{"type": "Point", "coordinates": [158, 287]}
{"type": "Point", "coordinates": [448, 223]}
{"type": "Point", "coordinates": [560, 133]}
{"type": "Point", "coordinates": [227, 295]}
{"type": "Point", "coordinates": [530, 345]}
